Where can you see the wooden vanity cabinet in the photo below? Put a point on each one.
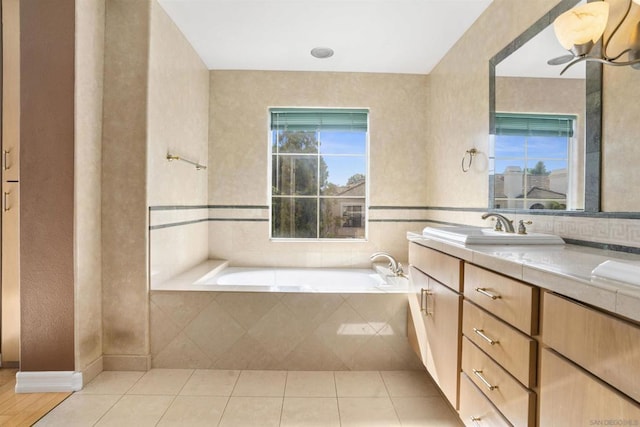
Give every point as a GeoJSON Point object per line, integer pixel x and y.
{"type": "Point", "coordinates": [499, 353]}
{"type": "Point", "coordinates": [435, 310]}
{"type": "Point", "coordinates": [589, 370]}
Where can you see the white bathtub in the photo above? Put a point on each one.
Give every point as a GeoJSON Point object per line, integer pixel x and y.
{"type": "Point", "coordinates": [216, 276]}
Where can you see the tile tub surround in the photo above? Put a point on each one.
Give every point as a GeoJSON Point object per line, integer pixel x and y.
{"type": "Point", "coordinates": [564, 269]}
{"type": "Point", "coordinates": [258, 330]}
{"type": "Point", "coordinates": [256, 398]}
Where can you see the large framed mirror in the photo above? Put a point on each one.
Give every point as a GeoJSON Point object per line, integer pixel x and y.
{"type": "Point", "coordinates": [544, 152]}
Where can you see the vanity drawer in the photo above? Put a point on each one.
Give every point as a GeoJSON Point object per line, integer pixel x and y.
{"type": "Point", "coordinates": [602, 344]}
{"type": "Point", "coordinates": [569, 396]}
{"type": "Point", "coordinates": [514, 302]}
{"type": "Point", "coordinates": [515, 402]}
{"type": "Point", "coordinates": [513, 350]}
{"type": "Point", "coordinates": [444, 268]}
{"type": "Point", "coordinates": [475, 409]}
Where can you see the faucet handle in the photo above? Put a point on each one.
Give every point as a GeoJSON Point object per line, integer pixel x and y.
{"type": "Point", "coordinates": [498, 226]}
{"type": "Point", "coordinates": [521, 226]}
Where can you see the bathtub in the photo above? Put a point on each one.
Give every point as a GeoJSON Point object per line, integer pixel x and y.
{"type": "Point", "coordinates": [217, 276]}
{"type": "Point", "coordinates": [222, 317]}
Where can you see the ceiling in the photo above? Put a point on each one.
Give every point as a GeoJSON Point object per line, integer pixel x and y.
{"type": "Point", "coordinates": [378, 36]}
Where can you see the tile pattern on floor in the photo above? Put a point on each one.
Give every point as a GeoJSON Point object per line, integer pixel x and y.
{"type": "Point", "coordinates": [200, 397]}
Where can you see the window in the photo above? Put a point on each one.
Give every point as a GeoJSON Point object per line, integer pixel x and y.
{"type": "Point", "coordinates": [532, 165]}
{"type": "Point", "coordinates": [318, 173]}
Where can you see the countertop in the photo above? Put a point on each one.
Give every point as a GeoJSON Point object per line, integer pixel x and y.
{"type": "Point", "coordinates": [564, 269]}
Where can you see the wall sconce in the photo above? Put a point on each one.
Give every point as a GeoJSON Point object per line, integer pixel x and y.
{"type": "Point", "coordinates": [579, 29]}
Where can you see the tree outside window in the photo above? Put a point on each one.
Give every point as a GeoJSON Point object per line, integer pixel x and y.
{"type": "Point", "coordinates": [318, 167]}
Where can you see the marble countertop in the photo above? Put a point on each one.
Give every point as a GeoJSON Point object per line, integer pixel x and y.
{"type": "Point", "coordinates": [564, 269]}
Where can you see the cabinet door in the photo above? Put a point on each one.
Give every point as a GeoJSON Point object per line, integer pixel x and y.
{"type": "Point", "coordinates": [569, 396]}
{"type": "Point", "coordinates": [442, 323]}
{"type": "Point", "coordinates": [418, 286]}
{"type": "Point", "coordinates": [9, 155]}
{"type": "Point", "coordinates": [10, 273]}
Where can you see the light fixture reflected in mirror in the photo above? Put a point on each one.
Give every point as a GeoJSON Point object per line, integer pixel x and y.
{"type": "Point", "coordinates": [580, 28]}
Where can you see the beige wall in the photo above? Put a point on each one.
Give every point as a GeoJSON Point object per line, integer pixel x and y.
{"type": "Point", "coordinates": [90, 15]}
{"type": "Point", "coordinates": [125, 300]}
{"type": "Point", "coordinates": [620, 147]}
{"type": "Point", "coordinates": [238, 159]}
{"type": "Point", "coordinates": [178, 123]}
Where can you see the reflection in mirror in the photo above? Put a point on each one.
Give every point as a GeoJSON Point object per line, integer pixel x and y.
{"type": "Point", "coordinates": [539, 132]}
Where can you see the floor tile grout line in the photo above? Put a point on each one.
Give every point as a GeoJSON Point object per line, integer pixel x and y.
{"type": "Point", "coordinates": [175, 397]}
{"type": "Point", "coordinates": [393, 405]}
{"type": "Point", "coordinates": [284, 392]}
{"type": "Point", "coordinates": [109, 409]}
{"type": "Point", "coordinates": [235, 383]}
{"type": "Point", "coordinates": [335, 385]}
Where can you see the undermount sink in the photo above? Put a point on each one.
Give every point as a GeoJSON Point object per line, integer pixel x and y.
{"type": "Point", "coordinates": [488, 236]}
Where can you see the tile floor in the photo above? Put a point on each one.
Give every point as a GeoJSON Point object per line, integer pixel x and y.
{"type": "Point", "coordinates": [188, 397]}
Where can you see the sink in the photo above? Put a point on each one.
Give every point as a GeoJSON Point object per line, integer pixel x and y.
{"type": "Point", "coordinates": [488, 236]}
{"type": "Point", "coordinates": [619, 271]}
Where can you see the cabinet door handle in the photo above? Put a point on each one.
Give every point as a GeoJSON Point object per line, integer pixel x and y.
{"type": "Point", "coordinates": [484, 292]}
{"type": "Point", "coordinates": [426, 293]}
{"type": "Point", "coordinates": [422, 298]}
{"type": "Point", "coordinates": [478, 374]}
{"type": "Point", "coordinates": [5, 201]}
{"type": "Point", "coordinates": [480, 332]}
{"type": "Point", "coordinates": [5, 158]}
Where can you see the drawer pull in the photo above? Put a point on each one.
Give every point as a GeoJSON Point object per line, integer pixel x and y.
{"type": "Point", "coordinates": [484, 292]}
{"type": "Point", "coordinates": [476, 420]}
{"type": "Point", "coordinates": [480, 332]}
{"type": "Point", "coordinates": [5, 161]}
{"type": "Point", "coordinates": [424, 297]}
{"type": "Point", "coordinates": [478, 374]}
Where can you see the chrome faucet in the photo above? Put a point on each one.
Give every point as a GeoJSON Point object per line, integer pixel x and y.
{"type": "Point", "coordinates": [502, 222]}
{"type": "Point", "coordinates": [394, 266]}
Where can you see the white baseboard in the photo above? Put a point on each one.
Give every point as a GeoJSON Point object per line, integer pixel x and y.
{"type": "Point", "coordinates": [48, 381]}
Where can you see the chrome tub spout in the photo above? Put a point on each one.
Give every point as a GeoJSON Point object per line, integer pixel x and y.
{"type": "Point", "coordinates": [394, 266]}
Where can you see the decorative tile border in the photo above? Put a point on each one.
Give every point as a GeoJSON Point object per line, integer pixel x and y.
{"type": "Point", "coordinates": [606, 230]}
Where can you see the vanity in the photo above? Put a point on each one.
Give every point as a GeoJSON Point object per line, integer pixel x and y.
{"type": "Point", "coordinates": [523, 335]}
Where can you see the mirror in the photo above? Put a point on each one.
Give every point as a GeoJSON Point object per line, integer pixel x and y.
{"type": "Point", "coordinates": [545, 128]}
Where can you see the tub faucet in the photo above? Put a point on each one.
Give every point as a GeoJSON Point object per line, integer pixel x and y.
{"type": "Point", "coordinates": [394, 266]}
{"type": "Point", "coordinates": [502, 222]}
